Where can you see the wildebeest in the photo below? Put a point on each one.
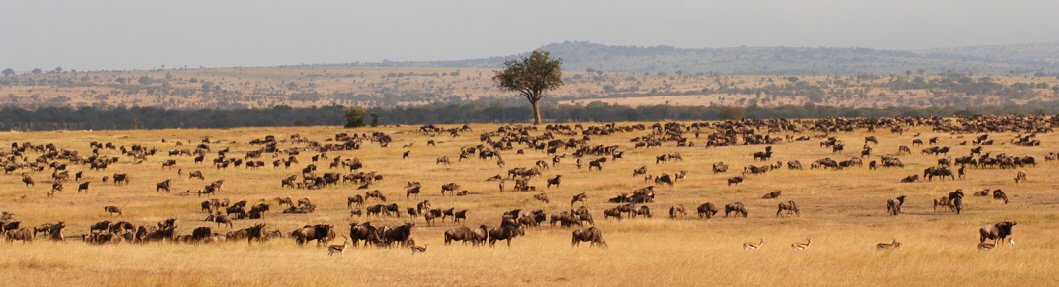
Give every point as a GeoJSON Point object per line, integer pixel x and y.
{"type": "Point", "coordinates": [399, 235]}
{"type": "Point", "coordinates": [789, 206]}
{"type": "Point", "coordinates": [735, 180]}
{"type": "Point", "coordinates": [910, 179]}
{"type": "Point", "coordinates": [773, 194]}
{"type": "Point", "coordinates": [462, 214]}
{"type": "Point", "coordinates": [21, 234]}
{"type": "Point", "coordinates": [677, 210]}
{"type": "Point", "coordinates": [707, 209]}
{"type": "Point", "coordinates": [555, 181]}
{"type": "Point", "coordinates": [411, 191]}
{"type": "Point", "coordinates": [590, 234]}
{"type": "Point", "coordinates": [582, 197]}
{"type": "Point", "coordinates": [102, 226]}
{"type": "Point", "coordinates": [504, 233]}
{"type": "Point", "coordinates": [542, 197]}
{"type": "Point", "coordinates": [354, 199]}
{"type": "Point", "coordinates": [375, 194]}
{"type": "Point", "coordinates": [83, 187]}
{"type": "Point", "coordinates": [196, 174]}
{"type": "Point", "coordinates": [163, 186]}
{"type": "Point", "coordinates": [451, 188]}
{"type": "Point", "coordinates": [893, 205]}
{"type": "Point", "coordinates": [363, 231]}
{"type": "Point", "coordinates": [445, 160]}
{"type": "Point", "coordinates": [612, 212]}
{"type": "Point", "coordinates": [736, 207]}
{"type": "Point", "coordinates": [996, 232]}
{"type": "Point", "coordinates": [431, 215]}
{"type": "Point", "coordinates": [320, 232]}
{"type": "Point", "coordinates": [1000, 195]}
{"type": "Point", "coordinates": [112, 210]}
{"type": "Point", "coordinates": [943, 201]}
{"type": "Point", "coordinates": [639, 171]}
{"type": "Point", "coordinates": [720, 167]}
{"type": "Point", "coordinates": [459, 234]}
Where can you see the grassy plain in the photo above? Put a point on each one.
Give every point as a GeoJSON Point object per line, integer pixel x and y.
{"type": "Point", "coordinates": [264, 87]}
{"type": "Point", "coordinates": [842, 211]}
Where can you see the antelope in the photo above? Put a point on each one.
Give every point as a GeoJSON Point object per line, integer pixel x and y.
{"type": "Point", "coordinates": [419, 249]}
{"type": "Point", "coordinates": [751, 245]}
{"type": "Point", "coordinates": [802, 246]}
{"type": "Point", "coordinates": [340, 249]}
{"type": "Point", "coordinates": [1011, 242]}
{"type": "Point", "coordinates": [887, 246]}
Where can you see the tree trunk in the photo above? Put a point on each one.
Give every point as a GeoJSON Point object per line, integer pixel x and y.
{"type": "Point", "coordinates": [536, 112]}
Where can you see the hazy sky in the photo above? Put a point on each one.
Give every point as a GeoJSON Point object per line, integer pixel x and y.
{"type": "Point", "coordinates": [92, 35]}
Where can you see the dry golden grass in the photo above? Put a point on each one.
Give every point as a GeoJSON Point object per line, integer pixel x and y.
{"type": "Point", "coordinates": [842, 211]}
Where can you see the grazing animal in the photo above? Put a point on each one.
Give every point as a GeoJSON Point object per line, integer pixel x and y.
{"type": "Point", "coordinates": [789, 206]}
{"type": "Point", "coordinates": [582, 197]}
{"type": "Point", "coordinates": [996, 232]}
{"type": "Point", "coordinates": [677, 210]}
{"type": "Point", "coordinates": [411, 191]}
{"type": "Point", "coordinates": [196, 174]}
{"type": "Point", "coordinates": [340, 249]}
{"type": "Point", "coordinates": [112, 210]}
{"type": "Point", "coordinates": [735, 180]}
{"type": "Point", "coordinates": [354, 199]}
{"type": "Point", "coordinates": [893, 205]}
{"type": "Point", "coordinates": [752, 245]}
{"type": "Point", "coordinates": [708, 210]}
{"type": "Point", "coordinates": [736, 207]}
{"type": "Point", "coordinates": [591, 234]}
{"type": "Point", "coordinates": [542, 197]}
{"type": "Point", "coordinates": [1020, 176]}
{"type": "Point", "coordinates": [888, 246]}
{"type": "Point", "coordinates": [1000, 195]}
{"type": "Point", "coordinates": [451, 188]}
{"type": "Point", "coordinates": [802, 246]}
{"type": "Point", "coordinates": [773, 194]}
{"type": "Point", "coordinates": [943, 202]}
{"type": "Point", "coordinates": [320, 232]}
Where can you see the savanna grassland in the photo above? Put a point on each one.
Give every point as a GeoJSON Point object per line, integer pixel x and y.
{"type": "Point", "coordinates": [265, 87]}
{"type": "Point", "coordinates": [842, 211]}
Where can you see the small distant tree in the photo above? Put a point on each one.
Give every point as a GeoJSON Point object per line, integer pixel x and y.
{"type": "Point", "coordinates": [531, 77]}
{"type": "Point", "coordinates": [121, 80]}
{"type": "Point", "coordinates": [374, 119]}
{"type": "Point", "coordinates": [145, 80]}
{"type": "Point", "coordinates": [58, 69]}
{"type": "Point", "coordinates": [731, 113]}
{"type": "Point", "coordinates": [37, 71]}
{"type": "Point", "coordinates": [8, 72]}
{"type": "Point", "coordinates": [354, 117]}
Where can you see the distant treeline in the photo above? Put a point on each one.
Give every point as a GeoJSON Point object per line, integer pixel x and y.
{"type": "Point", "coordinates": [66, 118]}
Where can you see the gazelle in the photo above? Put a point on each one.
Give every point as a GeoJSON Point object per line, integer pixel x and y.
{"type": "Point", "coordinates": [419, 249]}
{"type": "Point", "coordinates": [1011, 241]}
{"type": "Point", "coordinates": [887, 246]}
{"type": "Point", "coordinates": [986, 246]}
{"type": "Point", "coordinates": [801, 246]}
{"type": "Point", "coordinates": [340, 249]}
{"type": "Point", "coordinates": [751, 245]}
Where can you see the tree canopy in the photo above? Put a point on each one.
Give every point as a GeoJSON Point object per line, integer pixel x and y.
{"type": "Point", "coordinates": [531, 77]}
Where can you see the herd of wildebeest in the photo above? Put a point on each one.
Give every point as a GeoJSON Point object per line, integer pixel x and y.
{"type": "Point", "coordinates": [32, 159]}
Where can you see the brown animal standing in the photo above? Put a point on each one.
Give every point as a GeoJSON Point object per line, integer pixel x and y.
{"type": "Point", "coordinates": [112, 210]}
{"type": "Point", "coordinates": [591, 234]}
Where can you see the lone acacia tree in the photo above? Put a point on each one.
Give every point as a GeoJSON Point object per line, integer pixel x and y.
{"type": "Point", "coordinates": [531, 77]}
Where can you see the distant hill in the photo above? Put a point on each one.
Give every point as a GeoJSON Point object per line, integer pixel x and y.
{"type": "Point", "coordinates": [1022, 59]}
